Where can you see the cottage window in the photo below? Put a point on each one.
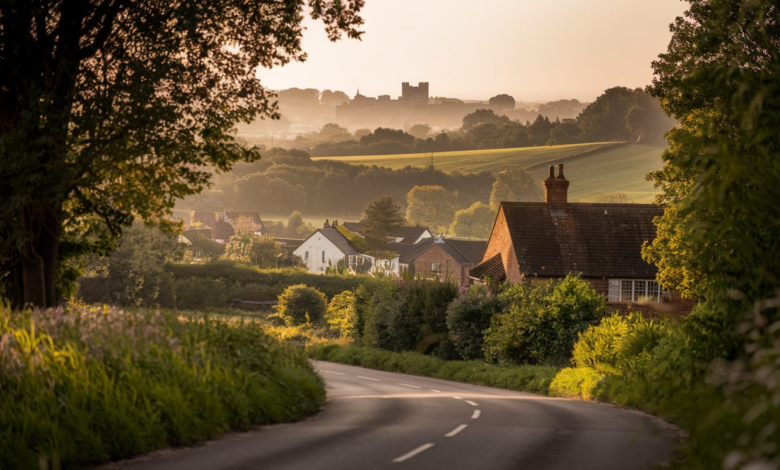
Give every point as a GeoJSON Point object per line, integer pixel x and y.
{"type": "Point", "coordinates": [630, 290]}
{"type": "Point", "coordinates": [435, 267]}
{"type": "Point", "coordinates": [306, 256]}
{"type": "Point", "coordinates": [323, 256]}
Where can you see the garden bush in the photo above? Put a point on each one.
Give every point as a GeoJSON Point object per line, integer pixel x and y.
{"type": "Point", "coordinates": [301, 304]}
{"type": "Point", "coordinates": [341, 315]}
{"type": "Point", "coordinates": [403, 316]}
{"type": "Point", "coordinates": [468, 317]}
{"type": "Point", "coordinates": [580, 382]}
{"type": "Point", "coordinates": [613, 346]}
{"type": "Point", "coordinates": [85, 386]}
{"type": "Point", "coordinates": [542, 321]}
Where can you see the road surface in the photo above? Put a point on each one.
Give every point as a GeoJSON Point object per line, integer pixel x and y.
{"type": "Point", "coordinates": [382, 420]}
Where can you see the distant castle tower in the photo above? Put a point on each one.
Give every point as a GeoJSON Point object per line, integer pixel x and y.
{"type": "Point", "coordinates": [414, 95]}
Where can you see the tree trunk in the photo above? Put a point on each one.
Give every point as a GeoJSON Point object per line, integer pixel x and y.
{"type": "Point", "coordinates": [39, 258]}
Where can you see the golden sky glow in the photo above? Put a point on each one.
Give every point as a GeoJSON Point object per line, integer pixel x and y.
{"type": "Point", "coordinates": [533, 50]}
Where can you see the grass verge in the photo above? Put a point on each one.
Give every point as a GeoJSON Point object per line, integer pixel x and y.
{"type": "Point", "coordinates": [89, 385]}
{"type": "Point", "coordinates": [532, 379]}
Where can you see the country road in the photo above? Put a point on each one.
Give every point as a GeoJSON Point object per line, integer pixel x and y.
{"type": "Point", "coordinates": [377, 420]}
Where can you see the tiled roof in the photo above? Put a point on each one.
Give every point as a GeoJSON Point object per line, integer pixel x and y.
{"type": "Point", "coordinates": [492, 268]}
{"type": "Point", "coordinates": [408, 234]}
{"type": "Point", "coordinates": [354, 227]}
{"type": "Point", "coordinates": [337, 239]}
{"type": "Point", "coordinates": [399, 247]}
{"type": "Point", "coordinates": [413, 253]}
{"type": "Point", "coordinates": [597, 240]}
{"type": "Point", "coordinates": [472, 250]}
{"type": "Point", "coordinates": [464, 252]}
{"type": "Point", "coordinates": [233, 216]}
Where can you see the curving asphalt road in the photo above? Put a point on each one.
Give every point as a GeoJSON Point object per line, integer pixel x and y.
{"type": "Point", "coordinates": [378, 420]}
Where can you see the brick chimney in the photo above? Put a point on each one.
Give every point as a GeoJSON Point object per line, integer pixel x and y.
{"type": "Point", "coordinates": [556, 189]}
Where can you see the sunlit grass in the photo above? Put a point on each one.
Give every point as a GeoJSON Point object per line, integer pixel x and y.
{"type": "Point", "coordinates": [88, 385]}
{"type": "Point", "coordinates": [474, 161]}
{"type": "Point", "coordinates": [594, 169]}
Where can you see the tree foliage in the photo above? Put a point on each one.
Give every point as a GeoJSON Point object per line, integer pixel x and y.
{"type": "Point", "coordinates": [516, 185]}
{"type": "Point", "coordinates": [110, 110]}
{"type": "Point", "coordinates": [474, 222]}
{"type": "Point", "coordinates": [718, 238]}
{"type": "Point", "coordinates": [431, 206]}
{"type": "Point", "coordinates": [379, 218]}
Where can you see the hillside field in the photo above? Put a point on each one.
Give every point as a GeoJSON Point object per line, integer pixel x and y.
{"type": "Point", "coordinates": [593, 168]}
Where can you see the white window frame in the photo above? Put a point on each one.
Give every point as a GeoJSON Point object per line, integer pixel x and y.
{"type": "Point", "coordinates": [635, 290]}
{"type": "Point", "coordinates": [435, 267]}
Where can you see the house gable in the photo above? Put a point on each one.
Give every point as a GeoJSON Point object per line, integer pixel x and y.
{"type": "Point", "coordinates": [323, 249]}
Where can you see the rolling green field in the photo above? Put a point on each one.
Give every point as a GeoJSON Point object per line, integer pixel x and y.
{"type": "Point", "coordinates": [593, 169]}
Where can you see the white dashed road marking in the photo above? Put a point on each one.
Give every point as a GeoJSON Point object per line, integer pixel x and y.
{"type": "Point", "coordinates": [411, 454]}
{"type": "Point", "coordinates": [470, 402]}
{"type": "Point", "coordinates": [456, 430]}
{"type": "Point", "coordinates": [476, 414]}
{"type": "Point", "coordinates": [367, 378]}
{"type": "Point", "coordinates": [408, 385]}
{"type": "Point", "coordinates": [331, 372]}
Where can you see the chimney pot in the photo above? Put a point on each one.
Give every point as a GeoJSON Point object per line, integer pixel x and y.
{"type": "Point", "coordinates": [556, 190]}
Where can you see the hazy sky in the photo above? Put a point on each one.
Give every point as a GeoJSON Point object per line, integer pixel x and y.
{"type": "Point", "coordinates": [530, 49]}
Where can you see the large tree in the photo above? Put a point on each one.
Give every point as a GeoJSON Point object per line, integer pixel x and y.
{"type": "Point", "coordinates": [380, 217]}
{"type": "Point", "coordinates": [719, 239]}
{"type": "Point", "coordinates": [516, 185]}
{"type": "Point", "coordinates": [112, 109]}
{"type": "Point", "coordinates": [431, 206]}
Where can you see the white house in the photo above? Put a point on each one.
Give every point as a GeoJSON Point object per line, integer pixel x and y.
{"type": "Point", "coordinates": [325, 247]}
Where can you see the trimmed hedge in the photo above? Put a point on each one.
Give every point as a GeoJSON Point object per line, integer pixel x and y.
{"type": "Point", "coordinates": [215, 284]}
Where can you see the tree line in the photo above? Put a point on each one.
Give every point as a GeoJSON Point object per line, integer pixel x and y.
{"type": "Point", "coordinates": [620, 114]}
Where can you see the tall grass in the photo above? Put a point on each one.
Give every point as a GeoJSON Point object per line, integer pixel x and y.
{"type": "Point", "coordinates": [88, 385]}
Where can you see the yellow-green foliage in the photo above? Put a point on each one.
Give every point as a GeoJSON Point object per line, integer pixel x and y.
{"type": "Point", "coordinates": [301, 304]}
{"type": "Point", "coordinates": [575, 383]}
{"type": "Point", "coordinates": [85, 386]}
{"type": "Point", "coordinates": [359, 243]}
{"type": "Point", "coordinates": [341, 315]}
{"type": "Point", "coordinates": [618, 342]}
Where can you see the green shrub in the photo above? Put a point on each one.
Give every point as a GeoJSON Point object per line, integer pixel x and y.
{"type": "Point", "coordinates": [301, 304]}
{"type": "Point", "coordinates": [468, 317]}
{"type": "Point", "coordinates": [516, 336]}
{"type": "Point", "coordinates": [341, 315]}
{"type": "Point", "coordinates": [542, 321]}
{"type": "Point", "coordinates": [614, 346]}
{"type": "Point", "coordinates": [401, 316]}
{"type": "Point", "coordinates": [580, 382]}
